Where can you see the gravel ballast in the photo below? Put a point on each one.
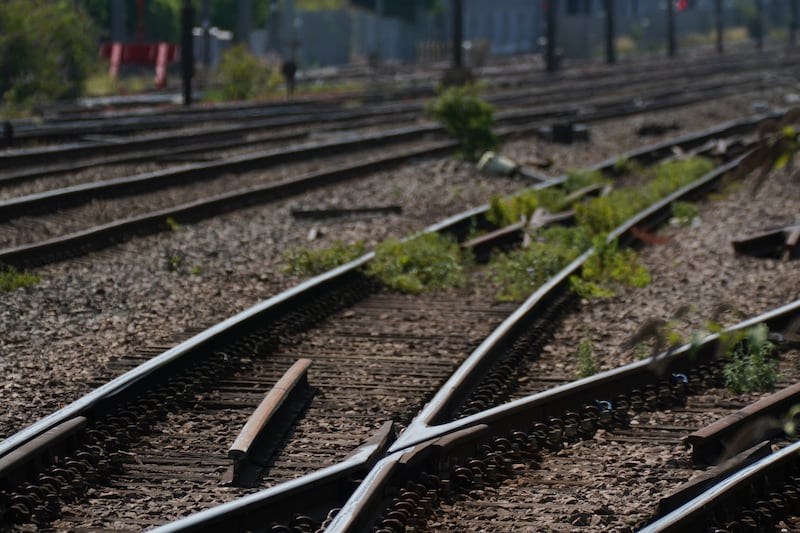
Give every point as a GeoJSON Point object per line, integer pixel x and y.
{"type": "Point", "coordinates": [58, 335]}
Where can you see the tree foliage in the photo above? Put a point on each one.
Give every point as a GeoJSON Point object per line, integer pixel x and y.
{"type": "Point", "coordinates": [47, 48]}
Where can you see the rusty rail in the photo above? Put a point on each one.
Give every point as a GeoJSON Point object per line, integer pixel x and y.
{"type": "Point", "coordinates": [740, 430]}
{"type": "Point", "coordinates": [249, 451]}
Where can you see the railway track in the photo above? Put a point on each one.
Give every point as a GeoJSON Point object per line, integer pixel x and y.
{"type": "Point", "coordinates": [66, 231]}
{"type": "Point", "coordinates": [209, 347]}
{"type": "Point", "coordinates": [119, 138]}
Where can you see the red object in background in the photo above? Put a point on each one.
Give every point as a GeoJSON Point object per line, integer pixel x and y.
{"type": "Point", "coordinates": [158, 54]}
{"type": "Point", "coordinates": [682, 4]}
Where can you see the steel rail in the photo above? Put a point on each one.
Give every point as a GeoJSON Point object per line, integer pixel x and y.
{"type": "Point", "coordinates": [78, 194]}
{"type": "Point", "coordinates": [115, 149]}
{"type": "Point", "coordinates": [522, 76]}
{"type": "Point", "coordinates": [441, 409]}
{"type": "Point", "coordinates": [397, 469]}
{"type": "Point", "coordinates": [204, 342]}
{"type": "Point", "coordinates": [100, 236]}
{"type": "Point", "coordinates": [317, 493]}
{"type": "Point", "coordinates": [734, 493]}
{"type": "Point", "coordinates": [97, 237]}
{"type": "Point", "coordinates": [420, 434]}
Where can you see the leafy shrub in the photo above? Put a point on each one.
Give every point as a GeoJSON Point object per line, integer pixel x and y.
{"type": "Point", "coordinates": [519, 272]}
{"type": "Point", "coordinates": [606, 267]}
{"type": "Point", "coordinates": [505, 211]}
{"type": "Point", "coordinates": [242, 75]}
{"type": "Point", "coordinates": [751, 367]}
{"type": "Point", "coordinates": [466, 116]}
{"type": "Point", "coordinates": [306, 261]}
{"type": "Point", "coordinates": [603, 214]}
{"type": "Point", "coordinates": [428, 261]}
{"type": "Point", "coordinates": [47, 48]}
{"type": "Point", "coordinates": [11, 280]}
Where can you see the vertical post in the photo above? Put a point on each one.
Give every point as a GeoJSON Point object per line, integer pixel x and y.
{"type": "Point", "coordinates": [118, 21]}
{"type": "Point", "coordinates": [140, 21]}
{"type": "Point", "coordinates": [611, 53]}
{"type": "Point", "coordinates": [551, 6]}
{"type": "Point", "coordinates": [720, 24]}
{"type": "Point", "coordinates": [793, 23]}
{"type": "Point", "coordinates": [288, 9]}
{"type": "Point", "coordinates": [671, 45]}
{"type": "Point", "coordinates": [458, 33]}
{"type": "Point", "coordinates": [274, 26]}
{"type": "Point", "coordinates": [187, 51]}
{"type": "Point", "coordinates": [759, 25]}
{"type": "Point", "coordinates": [245, 12]}
{"type": "Point", "coordinates": [378, 40]}
{"type": "Point", "coordinates": [206, 23]}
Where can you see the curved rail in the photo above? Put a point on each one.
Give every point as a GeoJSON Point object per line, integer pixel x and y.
{"type": "Point", "coordinates": [423, 442]}
{"type": "Point", "coordinates": [204, 345]}
{"type": "Point", "coordinates": [95, 238]}
{"type": "Point", "coordinates": [410, 457]}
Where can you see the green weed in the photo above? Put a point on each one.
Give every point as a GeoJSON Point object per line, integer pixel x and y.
{"type": "Point", "coordinates": [468, 117]}
{"type": "Point", "coordinates": [506, 211]}
{"type": "Point", "coordinates": [11, 280]}
{"type": "Point", "coordinates": [428, 261]}
{"type": "Point", "coordinates": [521, 271]}
{"type": "Point", "coordinates": [607, 267]}
{"type": "Point", "coordinates": [310, 262]}
{"type": "Point", "coordinates": [684, 213]}
{"type": "Point", "coordinates": [587, 365]}
{"type": "Point", "coordinates": [750, 366]}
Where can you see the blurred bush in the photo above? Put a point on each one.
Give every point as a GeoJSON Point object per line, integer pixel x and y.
{"type": "Point", "coordinates": [47, 49]}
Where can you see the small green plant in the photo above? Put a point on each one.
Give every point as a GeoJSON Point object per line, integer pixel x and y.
{"type": "Point", "coordinates": [606, 267]}
{"type": "Point", "coordinates": [580, 178]}
{"type": "Point", "coordinates": [309, 262]}
{"type": "Point", "coordinates": [750, 366]}
{"type": "Point", "coordinates": [11, 280]}
{"type": "Point", "coordinates": [195, 271]}
{"type": "Point", "coordinates": [603, 214]}
{"type": "Point", "coordinates": [521, 271]}
{"type": "Point", "coordinates": [428, 261]}
{"type": "Point", "coordinates": [175, 262]}
{"type": "Point", "coordinates": [684, 213]}
{"type": "Point", "coordinates": [172, 224]}
{"type": "Point", "coordinates": [468, 117]}
{"type": "Point", "coordinates": [624, 166]}
{"type": "Point", "coordinates": [505, 211]}
{"type": "Point", "coordinates": [587, 365]}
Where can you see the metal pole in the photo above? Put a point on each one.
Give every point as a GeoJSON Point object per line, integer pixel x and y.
{"type": "Point", "coordinates": [288, 8]}
{"type": "Point", "coordinates": [187, 51]}
{"type": "Point", "coordinates": [611, 53]}
{"type": "Point", "coordinates": [206, 16]}
{"type": "Point", "coordinates": [720, 23]}
{"type": "Point", "coordinates": [793, 23]}
{"type": "Point", "coordinates": [551, 6]}
{"type": "Point", "coordinates": [671, 45]}
{"type": "Point", "coordinates": [458, 33]}
{"type": "Point", "coordinates": [760, 25]}
{"type": "Point", "coordinates": [118, 21]}
{"type": "Point", "coordinates": [245, 8]}
{"type": "Point", "coordinates": [140, 21]}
